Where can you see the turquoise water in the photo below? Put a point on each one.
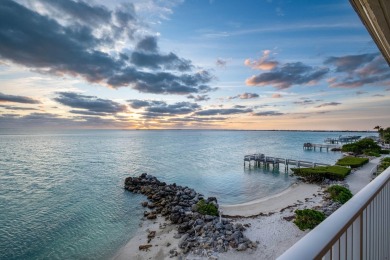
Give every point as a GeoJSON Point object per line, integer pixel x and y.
{"type": "Point", "coordinates": [61, 194]}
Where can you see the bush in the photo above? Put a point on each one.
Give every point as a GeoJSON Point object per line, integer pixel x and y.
{"type": "Point", "coordinates": [385, 152]}
{"type": "Point", "coordinates": [371, 153]}
{"type": "Point", "coordinates": [308, 218]}
{"type": "Point", "coordinates": [320, 172]}
{"type": "Point", "coordinates": [351, 161]}
{"type": "Point", "coordinates": [362, 146]}
{"type": "Point", "coordinates": [339, 193]}
{"type": "Point", "coordinates": [385, 163]}
{"type": "Point", "coordinates": [207, 208]}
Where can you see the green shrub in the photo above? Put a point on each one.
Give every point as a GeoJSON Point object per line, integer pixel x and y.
{"type": "Point", "coordinates": [339, 193]}
{"type": "Point", "coordinates": [320, 172]}
{"type": "Point", "coordinates": [385, 163]}
{"type": "Point", "coordinates": [308, 218]}
{"type": "Point", "coordinates": [385, 152]}
{"type": "Point", "coordinates": [362, 146]}
{"type": "Point", "coordinates": [207, 208]}
{"type": "Point", "coordinates": [351, 161]}
{"type": "Point", "coordinates": [371, 153]}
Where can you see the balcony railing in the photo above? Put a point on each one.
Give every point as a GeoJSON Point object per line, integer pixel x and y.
{"type": "Point", "coordinates": [360, 229]}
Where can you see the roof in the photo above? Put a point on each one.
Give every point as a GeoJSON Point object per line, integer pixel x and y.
{"type": "Point", "coordinates": [375, 15]}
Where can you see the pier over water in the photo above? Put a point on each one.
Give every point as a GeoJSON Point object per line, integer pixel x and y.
{"type": "Point", "coordinates": [260, 158]}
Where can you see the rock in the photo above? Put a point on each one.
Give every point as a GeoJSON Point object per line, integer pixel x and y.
{"type": "Point", "coordinates": [151, 216]}
{"type": "Point", "coordinates": [151, 235]}
{"type": "Point", "coordinates": [144, 247]}
{"type": "Point", "coordinates": [241, 247]}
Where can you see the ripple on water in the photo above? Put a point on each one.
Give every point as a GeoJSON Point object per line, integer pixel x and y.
{"type": "Point", "coordinates": [63, 191]}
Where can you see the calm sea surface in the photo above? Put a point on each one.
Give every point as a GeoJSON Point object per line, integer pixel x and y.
{"type": "Point", "coordinates": [61, 194]}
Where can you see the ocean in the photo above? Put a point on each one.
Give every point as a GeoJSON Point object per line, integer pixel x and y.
{"type": "Point", "coordinates": [62, 196]}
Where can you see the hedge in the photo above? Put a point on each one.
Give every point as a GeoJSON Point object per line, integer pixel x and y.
{"type": "Point", "coordinates": [318, 173]}
{"type": "Point", "coordinates": [351, 161]}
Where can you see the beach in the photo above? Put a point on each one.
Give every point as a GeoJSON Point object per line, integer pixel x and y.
{"type": "Point", "coordinates": [267, 221]}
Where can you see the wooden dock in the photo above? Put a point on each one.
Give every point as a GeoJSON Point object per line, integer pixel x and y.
{"type": "Point", "coordinates": [260, 158]}
{"type": "Point", "coordinates": [310, 146]}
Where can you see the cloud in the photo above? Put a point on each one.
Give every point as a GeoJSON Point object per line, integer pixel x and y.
{"type": "Point", "coordinates": [45, 120]}
{"type": "Point", "coordinates": [268, 113]}
{"type": "Point", "coordinates": [17, 108]}
{"type": "Point", "coordinates": [361, 92]}
{"type": "Point", "coordinates": [149, 44]}
{"type": "Point", "coordinates": [161, 108]}
{"type": "Point", "coordinates": [146, 56]}
{"type": "Point", "coordinates": [304, 101]}
{"type": "Point", "coordinates": [353, 71]}
{"type": "Point", "coordinates": [223, 111]}
{"type": "Point", "coordinates": [245, 96]}
{"type": "Point", "coordinates": [75, 47]}
{"type": "Point", "coordinates": [378, 95]}
{"type": "Point", "coordinates": [199, 97]}
{"type": "Point", "coordinates": [288, 75]}
{"type": "Point", "coordinates": [276, 95]}
{"type": "Point", "coordinates": [88, 113]}
{"type": "Point", "coordinates": [221, 62]}
{"type": "Point", "coordinates": [263, 63]}
{"type": "Point", "coordinates": [17, 99]}
{"type": "Point", "coordinates": [328, 104]}
{"type": "Point", "coordinates": [248, 96]}
{"type": "Point", "coordinates": [92, 104]}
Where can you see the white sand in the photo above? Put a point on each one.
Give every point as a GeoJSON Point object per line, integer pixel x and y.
{"type": "Point", "coordinates": [298, 191]}
{"type": "Point", "coordinates": [161, 244]}
{"type": "Point", "coordinates": [273, 233]}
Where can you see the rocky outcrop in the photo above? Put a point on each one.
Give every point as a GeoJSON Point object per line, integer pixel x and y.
{"type": "Point", "coordinates": [197, 232]}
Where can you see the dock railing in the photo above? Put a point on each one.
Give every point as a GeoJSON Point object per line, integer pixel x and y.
{"type": "Point", "coordinates": [360, 229]}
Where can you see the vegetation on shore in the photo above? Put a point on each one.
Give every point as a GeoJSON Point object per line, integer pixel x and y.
{"type": "Point", "coordinates": [365, 146]}
{"type": "Point", "coordinates": [339, 193]}
{"type": "Point", "coordinates": [308, 218]}
{"type": "Point", "coordinates": [384, 133]}
{"type": "Point", "coordinates": [206, 208]}
{"type": "Point", "coordinates": [351, 161]}
{"type": "Point", "coordinates": [319, 173]}
{"type": "Point", "coordinates": [384, 164]}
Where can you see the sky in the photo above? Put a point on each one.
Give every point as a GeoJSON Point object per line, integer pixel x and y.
{"type": "Point", "coordinates": [189, 64]}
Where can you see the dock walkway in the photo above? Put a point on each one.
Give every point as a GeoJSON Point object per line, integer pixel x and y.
{"type": "Point", "coordinates": [310, 146]}
{"type": "Point", "coordinates": [260, 158]}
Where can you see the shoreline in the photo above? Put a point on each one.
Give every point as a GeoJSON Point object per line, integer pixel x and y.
{"type": "Point", "coordinates": [267, 221]}
{"type": "Point", "coordinates": [295, 192]}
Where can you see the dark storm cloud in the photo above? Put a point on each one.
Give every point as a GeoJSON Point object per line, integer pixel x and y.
{"type": "Point", "coordinates": [354, 71]}
{"type": "Point", "coordinates": [329, 104]}
{"type": "Point", "coordinates": [223, 111]}
{"type": "Point", "coordinates": [75, 50]}
{"type": "Point", "coordinates": [161, 108]}
{"type": "Point", "coordinates": [17, 99]}
{"type": "Point", "coordinates": [288, 75]}
{"type": "Point", "coordinates": [268, 113]}
{"type": "Point", "coordinates": [90, 103]}
{"type": "Point", "coordinates": [199, 97]}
